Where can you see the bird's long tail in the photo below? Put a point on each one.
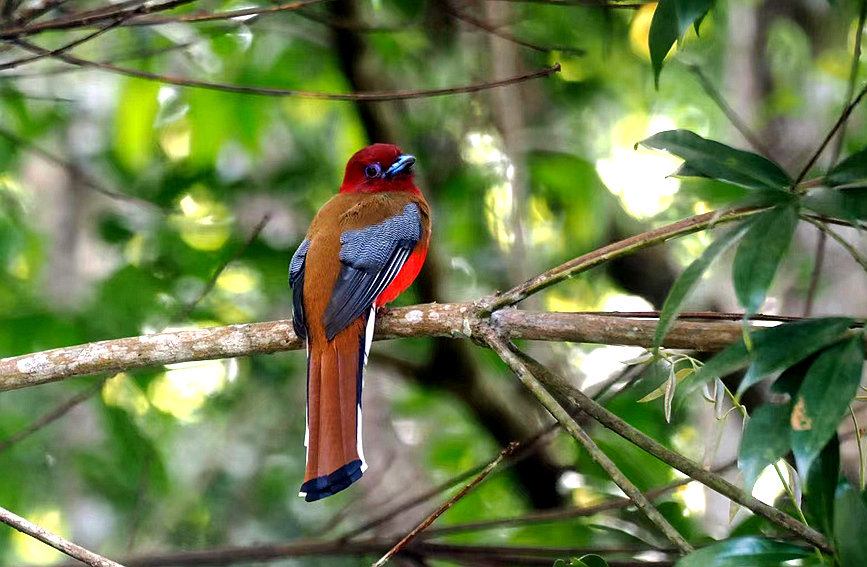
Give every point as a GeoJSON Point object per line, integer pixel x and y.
{"type": "Point", "coordinates": [334, 380]}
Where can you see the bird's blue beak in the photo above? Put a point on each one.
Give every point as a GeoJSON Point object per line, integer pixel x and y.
{"type": "Point", "coordinates": [402, 163]}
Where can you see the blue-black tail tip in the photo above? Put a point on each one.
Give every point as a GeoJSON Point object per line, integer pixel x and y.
{"type": "Point", "coordinates": [329, 485]}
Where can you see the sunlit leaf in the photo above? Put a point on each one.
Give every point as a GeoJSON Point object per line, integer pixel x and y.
{"type": "Point", "coordinates": [765, 441]}
{"type": "Point", "coordinates": [759, 254]}
{"type": "Point", "coordinates": [824, 396]}
{"type": "Point", "coordinates": [670, 21]}
{"type": "Point", "coordinates": [719, 161]}
{"type": "Point", "coordinates": [739, 552]}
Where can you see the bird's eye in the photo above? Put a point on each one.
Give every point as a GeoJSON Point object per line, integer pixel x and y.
{"type": "Point", "coordinates": [372, 170]}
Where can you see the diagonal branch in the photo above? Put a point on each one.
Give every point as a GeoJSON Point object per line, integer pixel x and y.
{"type": "Point", "coordinates": [509, 354]}
{"type": "Point", "coordinates": [576, 399]}
{"type": "Point", "coordinates": [505, 454]}
{"type": "Point", "coordinates": [55, 541]}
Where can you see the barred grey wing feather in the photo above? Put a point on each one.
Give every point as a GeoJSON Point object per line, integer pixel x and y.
{"type": "Point", "coordinates": [371, 257]}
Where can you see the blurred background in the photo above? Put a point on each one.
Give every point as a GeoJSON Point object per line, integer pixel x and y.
{"type": "Point", "coordinates": [121, 198]}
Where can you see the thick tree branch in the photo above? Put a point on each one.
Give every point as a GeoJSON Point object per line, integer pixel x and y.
{"type": "Point", "coordinates": [454, 320]}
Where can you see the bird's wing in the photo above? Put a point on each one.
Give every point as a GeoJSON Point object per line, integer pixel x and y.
{"type": "Point", "coordinates": [296, 282]}
{"type": "Point", "coordinates": [370, 258]}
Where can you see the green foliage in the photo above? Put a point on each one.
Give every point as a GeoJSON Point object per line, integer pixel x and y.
{"type": "Point", "coordinates": [759, 254]}
{"type": "Point", "coordinates": [765, 441]}
{"type": "Point", "coordinates": [706, 158]}
{"type": "Point", "coordinates": [737, 552]}
{"type": "Point", "coordinates": [589, 560]}
{"type": "Point", "coordinates": [773, 350]}
{"type": "Point", "coordinates": [824, 397]}
{"type": "Point", "coordinates": [851, 172]}
{"type": "Point", "coordinates": [670, 21]}
{"type": "Point", "coordinates": [850, 517]}
{"type": "Point", "coordinates": [690, 277]}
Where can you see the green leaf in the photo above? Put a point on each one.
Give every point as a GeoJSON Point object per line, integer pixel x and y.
{"type": "Point", "coordinates": [851, 171]}
{"type": "Point", "coordinates": [774, 350]}
{"type": "Point", "coordinates": [719, 161]}
{"type": "Point", "coordinates": [824, 397]}
{"type": "Point", "coordinates": [850, 518]}
{"type": "Point", "coordinates": [588, 561]}
{"type": "Point", "coordinates": [765, 441]}
{"type": "Point", "coordinates": [739, 552]}
{"type": "Point", "coordinates": [791, 344]}
{"type": "Point", "coordinates": [670, 20]}
{"type": "Point", "coordinates": [844, 204]}
{"type": "Point", "coordinates": [820, 486]}
{"type": "Point", "coordinates": [690, 277]}
{"type": "Point", "coordinates": [759, 254]}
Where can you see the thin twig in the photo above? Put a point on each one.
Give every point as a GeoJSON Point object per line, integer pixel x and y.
{"type": "Point", "coordinates": [61, 410]}
{"type": "Point", "coordinates": [613, 251]}
{"type": "Point", "coordinates": [272, 92]}
{"type": "Point", "coordinates": [844, 116]}
{"type": "Point", "coordinates": [522, 450]}
{"type": "Point", "coordinates": [508, 353]}
{"type": "Point", "coordinates": [853, 77]}
{"type": "Point", "coordinates": [55, 541]}
{"type": "Point", "coordinates": [548, 516]}
{"type": "Point", "coordinates": [78, 21]}
{"type": "Point", "coordinates": [729, 112]}
{"type": "Point", "coordinates": [254, 234]}
{"type": "Point", "coordinates": [448, 504]}
{"type": "Point", "coordinates": [816, 274]}
{"type": "Point", "coordinates": [862, 261]}
{"type": "Point", "coordinates": [486, 27]}
{"type": "Point", "coordinates": [228, 15]}
{"type": "Point", "coordinates": [62, 49]}
{"type": "Point", "coordinates": [72, 168]}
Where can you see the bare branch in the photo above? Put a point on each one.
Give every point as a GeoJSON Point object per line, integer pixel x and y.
{"type": "Point", "coordinates": [453, 320]}
{"type": "Point", "coordinates": [61, 410]}
{"type": "Point", "coordinates": [55, 541]}
{"type": "Point", "coordinates": [272, 92]}
{"type": "Point", "coordinates": [615, 250]}
{"type": "Point", "coordinates": [82, 20]}
{"type": "Point", "coordinates": [510, 355]}
{"type": "Point", "coordinates": [578, 400]}
{"type": "Point", "coordinates": [448, 504]}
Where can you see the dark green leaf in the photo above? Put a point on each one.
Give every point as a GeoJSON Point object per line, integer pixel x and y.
{"type": "Point", "coordinates": [719, 161]}
{"type": "Point", "coordinates": [740, 552]}
{"type": "Point", "coordinates": [760, 252]}
{"type": "Point", "coordinates": [850, 519]}
{"type": "Point", "coordinates": [790, 345]}
{"type": "Point", "coordinates": [765, 441]}
{"type": "Point", "coordinates": [844, 204]}
{"type": "Point", "coordinates": [823, 398]}
{"type": "Point", "coordinates": [820, 487]}
{"type": "Point", "coordinates": [774, 349]}
{"type": "Point", "coordinates": [850, 171]}
{"type": "Point", "coordinates": [588, 561]}
{"type": "Point", "coordinates": [690, 277]}
{"type": "Point", "coordinates": [670, 20]}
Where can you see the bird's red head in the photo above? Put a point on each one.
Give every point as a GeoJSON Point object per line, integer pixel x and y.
{"type": "Point", "coordinates": [379, 167]}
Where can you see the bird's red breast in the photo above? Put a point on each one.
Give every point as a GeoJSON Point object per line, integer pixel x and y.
{"type": "Point", "coordinates": [364, 247]}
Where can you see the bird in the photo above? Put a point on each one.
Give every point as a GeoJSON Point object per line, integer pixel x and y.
{"type": "Point", "coordinates": [364, 247]}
